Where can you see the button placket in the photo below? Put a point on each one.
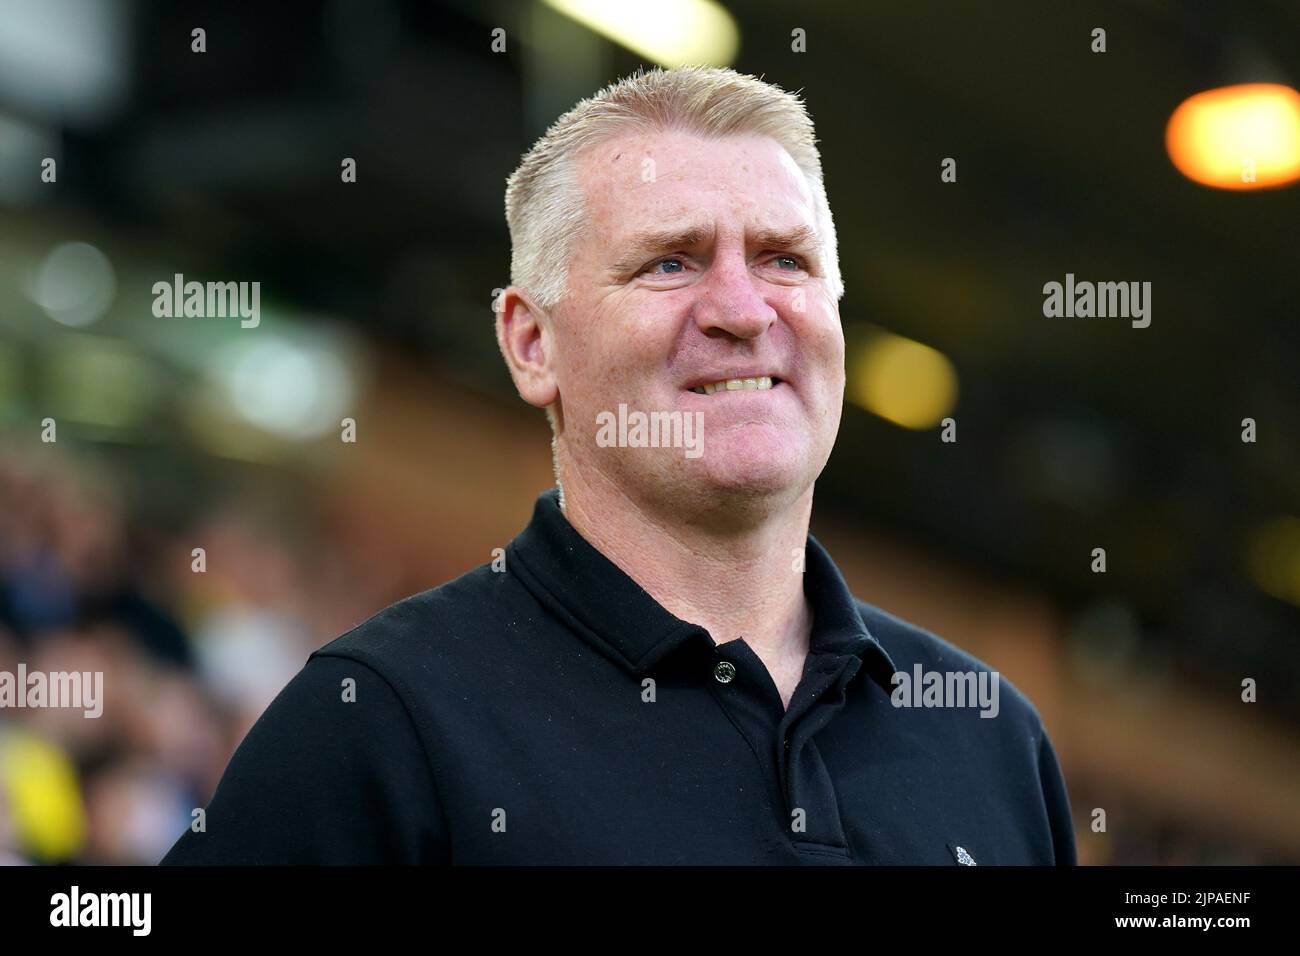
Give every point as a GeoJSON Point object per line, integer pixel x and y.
{"type": "Point", "coordinates": [804, 779]}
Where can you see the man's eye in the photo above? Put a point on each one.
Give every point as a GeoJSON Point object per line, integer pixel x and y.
{"type": "Point", "coordinates": [677, 261]}
{"type": "Point", "coordinates": [664, 262]}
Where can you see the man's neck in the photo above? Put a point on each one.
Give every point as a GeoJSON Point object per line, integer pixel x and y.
{"type": "Point", "coordinates": [744, 582]}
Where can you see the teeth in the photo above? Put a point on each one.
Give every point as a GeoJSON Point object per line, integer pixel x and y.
{"type": "Point", "coordinates": [759, 384]}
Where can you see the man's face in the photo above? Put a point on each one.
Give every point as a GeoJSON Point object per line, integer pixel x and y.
{"type": "Point", "coordinates": [741, 292]}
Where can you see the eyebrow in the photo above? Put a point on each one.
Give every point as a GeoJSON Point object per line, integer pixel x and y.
{"type": "Point", "coordinates": [646, 245]}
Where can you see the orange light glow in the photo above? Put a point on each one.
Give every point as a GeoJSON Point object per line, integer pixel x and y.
{"type": "Point", "coordinates": [1238, 137]}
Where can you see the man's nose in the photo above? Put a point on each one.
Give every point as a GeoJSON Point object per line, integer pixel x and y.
{"type": "Point", "coordinates": [731, 300]}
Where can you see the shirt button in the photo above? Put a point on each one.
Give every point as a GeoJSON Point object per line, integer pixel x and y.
{"type": "Point", "coordinates": [724, 672]}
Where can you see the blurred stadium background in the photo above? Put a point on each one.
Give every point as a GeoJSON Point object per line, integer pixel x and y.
{"type": "Point", "coordinates": [178, 433]}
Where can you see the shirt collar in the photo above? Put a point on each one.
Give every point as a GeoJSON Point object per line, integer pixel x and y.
{"type": "Point", "coordinates": [598, 600]}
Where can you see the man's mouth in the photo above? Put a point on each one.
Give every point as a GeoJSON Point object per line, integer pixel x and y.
{"type": "Point", "coordinates": [759, 384]}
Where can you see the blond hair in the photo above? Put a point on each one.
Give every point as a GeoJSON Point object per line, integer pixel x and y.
{"type": "Point", "coordinates": [545, 207]}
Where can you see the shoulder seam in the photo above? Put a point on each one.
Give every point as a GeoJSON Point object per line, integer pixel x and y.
{"type": "Point", "coordinates": [401, 697]}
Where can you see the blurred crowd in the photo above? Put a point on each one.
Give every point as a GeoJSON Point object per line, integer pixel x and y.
{"type": "Point", "coordinates": [192, 649]}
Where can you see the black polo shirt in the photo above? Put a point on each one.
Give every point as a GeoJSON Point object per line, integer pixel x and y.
{"type": "Point", "coordinates": [552, 712]}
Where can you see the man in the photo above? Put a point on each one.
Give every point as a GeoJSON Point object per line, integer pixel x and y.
{"type": "Point", "coordinates": [668, 669]}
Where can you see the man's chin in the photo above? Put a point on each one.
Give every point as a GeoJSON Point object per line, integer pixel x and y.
{"type": "Point", "coordinates": [753, 469]}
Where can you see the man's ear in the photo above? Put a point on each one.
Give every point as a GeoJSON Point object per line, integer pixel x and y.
{"type": "Point", "coordinates": [524, 335]}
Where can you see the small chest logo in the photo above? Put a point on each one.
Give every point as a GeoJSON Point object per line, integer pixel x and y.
{"type": "Point", "coordinates": [964, 858]}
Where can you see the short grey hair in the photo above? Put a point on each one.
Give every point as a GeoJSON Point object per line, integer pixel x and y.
{"type": "Point", "coordinates": [545, 207]}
